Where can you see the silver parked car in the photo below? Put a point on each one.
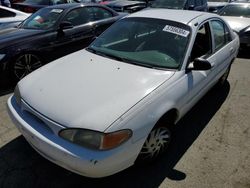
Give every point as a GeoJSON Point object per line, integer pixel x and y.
{"type": "Point", "coordinates": [98, 110]}
{"type": "Point", "coordinates": [10, 17]}
{"type": "Point", "coordinates": [238, 17]}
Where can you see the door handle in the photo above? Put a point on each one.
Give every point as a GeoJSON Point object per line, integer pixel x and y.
{"type": "Point", "coordinates": [231, 50]}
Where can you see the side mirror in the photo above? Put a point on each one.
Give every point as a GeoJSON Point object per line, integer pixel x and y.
{"type": "Point", "coordinates": [200, 64]}
{"type": "Point", "coordinates": [65, 25]}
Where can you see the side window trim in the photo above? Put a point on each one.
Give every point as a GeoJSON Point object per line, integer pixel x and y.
{"type": "Point", "coordinates": [206, 24]}
{"type": "Point", "coordinates": [212, 36]}
{"type": "Point", "coordinates": [210, 39]}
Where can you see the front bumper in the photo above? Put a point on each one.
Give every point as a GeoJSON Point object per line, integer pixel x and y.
{"type": "Point", "coordinates": [75, 158]}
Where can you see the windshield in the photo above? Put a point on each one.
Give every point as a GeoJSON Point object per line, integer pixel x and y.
{"type": "Point", "coordinates": [42, 19]}
{"type": "Point", "coordinates": [146, 42]}
{"type": "Point", "coordinates": [236, 10]}
{"type": "Point", "coordinates": [171, 4]}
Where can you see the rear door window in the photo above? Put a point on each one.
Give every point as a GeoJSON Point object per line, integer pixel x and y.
{"type": "Point", "coordinates": [220, 33]}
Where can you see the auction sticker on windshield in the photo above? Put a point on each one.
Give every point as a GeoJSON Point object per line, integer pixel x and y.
{"type": "Point", "coordinates": [176, 30]}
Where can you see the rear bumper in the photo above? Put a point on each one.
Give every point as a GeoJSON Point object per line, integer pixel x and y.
{"type": "Point", "coordinates": [77, 159]}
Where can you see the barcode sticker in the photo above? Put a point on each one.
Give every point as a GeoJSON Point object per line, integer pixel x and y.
{"type": "Point", "coordinates": [176, 30]}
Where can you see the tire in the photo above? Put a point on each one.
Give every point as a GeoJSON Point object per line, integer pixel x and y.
{"type": "Point", "coordinates": [155, 144]}
{"type": "Point", "coordinates": [224, 77]}
{"type": "Point", "coordinates": [25, 64]}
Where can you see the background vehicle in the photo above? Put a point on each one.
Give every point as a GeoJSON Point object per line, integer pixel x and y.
{"type": "Point", "coordinates": [125, 6]}
{"type": "Point", "coordinates": [31, 6]}
{"type": "Point", "coordinates": [238, 17]}
{"type": "Point", "coordinates": [128, 6]}
{"type": "Point", "coordinates": [10, 17]}
{"type": "Point", "coordinates": [215, 6]}
{"type": "Point", "coordinates": [50, 33]}
{"type": "Point", "coordinates": [157, 63]}
{"type": "Point", "coordinates": [5, 3]}
{"type": "Point", "coordinates": [199, 5]}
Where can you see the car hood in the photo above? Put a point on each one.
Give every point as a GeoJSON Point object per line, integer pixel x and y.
{"type": "Point", "coordinates": [88, 91]}
{"type": "Point", "coordinates": [124, 3]}
{"type": "Point", "coordinates": [237, 23]}
{"type": "Point", "coordinates": [14, 35]}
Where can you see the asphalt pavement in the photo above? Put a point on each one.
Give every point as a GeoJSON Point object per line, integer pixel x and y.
{"type": "Point", "coordinates": [210, 147]}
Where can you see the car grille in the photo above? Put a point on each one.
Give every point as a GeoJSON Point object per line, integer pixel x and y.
{"type": "Point", "coordinates": [39, 121]}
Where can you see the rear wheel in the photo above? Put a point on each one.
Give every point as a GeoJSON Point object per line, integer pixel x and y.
{"type": "Point", "coordinates": [25, 64]}
{"type": "Point", "coordinates": [155, 144]}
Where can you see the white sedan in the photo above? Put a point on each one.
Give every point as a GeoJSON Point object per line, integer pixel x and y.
{"type": "Point", "coordinates": [238, 17]}
{"type": "Point", "coordinates": [101, 109]}
{"type": "Point", "coordinates": [11, 17]}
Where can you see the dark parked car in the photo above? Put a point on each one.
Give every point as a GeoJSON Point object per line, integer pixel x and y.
{"type": "Point", "coordinates": [199, 5]}
{"type": "Point", "coordinates": [128, 6]}
{"type": "Point", "coordinates": [31, 6]}
{"type": "Point", "coordinates": [50, 33]}
{"type": "Point", "coordinates": [124, 5]}
{"type": "Point", "coordinates": [237, 16]}
{"type": "Point", "coordinates": [215, 5]}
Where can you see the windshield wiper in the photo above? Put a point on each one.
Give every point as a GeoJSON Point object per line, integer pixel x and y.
{"type": "Point", "coordinates": [91, 50]}
{"type": "Point", "coordinates": [104, 54]}
{"type": "Point", "coordinates": [133, 62]}
{"type": "Point", "coordinates": [138, 63]}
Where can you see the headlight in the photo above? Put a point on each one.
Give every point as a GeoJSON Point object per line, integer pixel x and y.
{"type": "Point", "coordinates": [17, 95]}
{"type": "Point", "coordinates": [96, 140]}
{"type": "Point", "coordinates": [2, 56]}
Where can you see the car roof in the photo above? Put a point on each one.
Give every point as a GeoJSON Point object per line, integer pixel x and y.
{"type": "Point", "coordinates": [182, 16]}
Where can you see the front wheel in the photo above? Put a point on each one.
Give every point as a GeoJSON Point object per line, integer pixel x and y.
{"type": "Point", "coordinates": [25, 64]}
{"type": "Point", "coordinates": [155, 144]}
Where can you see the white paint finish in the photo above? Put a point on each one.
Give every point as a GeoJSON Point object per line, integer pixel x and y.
{"type": "Point", "coordinates": [84, 87]}
{"type": "Point", "coordinates": [70, 156]}
{"type": "Point", "coordinates": [183, 16]}
{"type": "Point", "coordinates": [89, 91]}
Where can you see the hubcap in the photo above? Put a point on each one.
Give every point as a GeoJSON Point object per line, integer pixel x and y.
{"type": "Point", "coordinates": [25, 64]}
{"type": "Point", "coordinates": [156, 142]}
